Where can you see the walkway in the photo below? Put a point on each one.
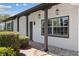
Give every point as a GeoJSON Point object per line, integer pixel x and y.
{"type": "Point", "coordinates": [36, 49]}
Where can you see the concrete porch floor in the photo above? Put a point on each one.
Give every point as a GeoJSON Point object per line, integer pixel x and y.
{"type": "Point", "coordinates": [36, 49]}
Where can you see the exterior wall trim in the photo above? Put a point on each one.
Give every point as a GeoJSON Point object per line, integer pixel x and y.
{"type": "Point", "coordinates": [26, 25]}
{"type": "Point", "coordinates": [12, 25]}
{"type": "Point", "coordinates": [17, 24]}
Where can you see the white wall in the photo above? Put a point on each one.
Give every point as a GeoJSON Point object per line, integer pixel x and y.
{"type": "Point", "coordinates": [22, 25]}
{"type": "Point", "coordinates": [15, 25]}
{"type": "Point", "coordinates": [2, 25]}
{"type": "Point", "coordinates": [78, 30]}
{"type": "Point", "coordinates": [37, 27]}
{"type": "Point", "coordinates": [70, 43]}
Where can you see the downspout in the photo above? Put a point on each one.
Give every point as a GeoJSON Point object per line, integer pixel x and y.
{"type": "Point", "coordinates": [46, 30]}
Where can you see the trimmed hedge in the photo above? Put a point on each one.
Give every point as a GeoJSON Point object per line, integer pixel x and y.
{"type": "Point", "coordinates": [24, 41]}
{"type": "Point", "coordinates": [7, 51]}
{"type": "Point", "coordinates": [9, 39]}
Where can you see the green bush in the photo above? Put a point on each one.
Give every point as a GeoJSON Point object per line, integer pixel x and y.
{"type": "Point", "coordinates": [7, 51]}
{"type": "Point", "coordinates": [9, 39]}
{"type": "Point", "coordinates": [24, 41]}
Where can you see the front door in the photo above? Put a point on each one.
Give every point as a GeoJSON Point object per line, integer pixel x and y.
{"type": "Point", "coordinates": [31, 31]}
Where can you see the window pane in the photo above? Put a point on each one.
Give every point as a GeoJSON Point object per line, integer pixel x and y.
{"type": "Point", "coordinates": [65, 32]}
{"type": "Point", "coordinates": [65, 21]}
{"type": "Point", "coordinates": [42, 26]}
{"type": "Point", "coordinates": [58, 31]}
{"type": "Point", "coordinates": [42, 31]}
{"type": "Point", "coordinates": [61, 21]}
{"type": "Point", "coordinates": [56, 22]}
{"type": "Point", "coordinates": [49, 22]}
{"type": "Point", "coordinates": [49, 30]}
{"type": "Point", "coordinates": [61, 30]}
{"type": "Point", "coordinates": [54, 30]}
{"type": "Point", "coordinates": [9, 27]}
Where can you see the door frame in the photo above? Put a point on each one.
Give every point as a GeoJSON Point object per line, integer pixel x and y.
{"type": "Point", "coordinates": [31, 30]}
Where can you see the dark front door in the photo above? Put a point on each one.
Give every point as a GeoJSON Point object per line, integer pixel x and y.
{"type": "Point", "coordinates": [31, 30]}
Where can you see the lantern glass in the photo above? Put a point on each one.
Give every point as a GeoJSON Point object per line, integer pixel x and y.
{"type": "Point", "coordinates": [39, 16]}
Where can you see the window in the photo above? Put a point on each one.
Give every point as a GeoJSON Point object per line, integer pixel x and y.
{"type": "Point", "coordinates": [49, 27]}
{"type": "Point", "coordinates": [57, 26]}
{"type": "Point", "coordinates": [9, 26]}
{"type": "Point", "coordinates": [60, 26]}
{"type": "Point", "coordinates": [42, 27]}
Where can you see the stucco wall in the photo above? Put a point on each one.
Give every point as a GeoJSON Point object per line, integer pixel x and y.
{"type": "Point", "coordinates": [37, 27]}
{"type": "Point", "coordinates": [2, 25]}
{"type": "Point", "coordinates": [15, 25]}
{"type": "Point", "coordinates": [22, 25]}
{"type": "Point", "coordinates": [70, 43]}
{"type": "Point", "coordinates": [78, 30]}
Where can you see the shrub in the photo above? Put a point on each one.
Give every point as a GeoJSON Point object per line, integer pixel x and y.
{"type": "Point", "coordinates": [7, 51]}
{"type": "Point", "coordinates": [24, 41]}
{"type": "Point", "coordinates": [9, 39]}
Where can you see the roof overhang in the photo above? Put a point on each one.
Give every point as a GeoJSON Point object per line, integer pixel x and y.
{"type": "Point", "coordinates": [41, 6]}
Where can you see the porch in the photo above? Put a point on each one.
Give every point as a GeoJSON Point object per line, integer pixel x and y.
{"type": "Point", "coordinates": [36, 49]}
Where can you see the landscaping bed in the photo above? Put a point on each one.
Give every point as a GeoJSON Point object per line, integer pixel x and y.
{"type": "Point", "coordinates": [9, 39]}
{"type": "Point", "coordinates": [24, 42]}
{"type": "Point", "coordinates": [7, 51]}
{"type": "Point", "coordinates": [11, 42]}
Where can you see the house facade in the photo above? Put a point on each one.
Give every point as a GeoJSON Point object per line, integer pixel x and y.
{"type": "Point", "coordinates": [58, 24]}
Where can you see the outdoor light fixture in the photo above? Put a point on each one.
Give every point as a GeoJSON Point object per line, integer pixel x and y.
{"type": "Point", "coordinates": [34, 22]}
{"type": "Point", "coordinates": [57, 11]}
{"type": "Point", "coordinates": [39, 15]}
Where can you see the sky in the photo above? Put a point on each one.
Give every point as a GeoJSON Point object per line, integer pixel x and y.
{"type": "Point", "coordinates": [14, 8]}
